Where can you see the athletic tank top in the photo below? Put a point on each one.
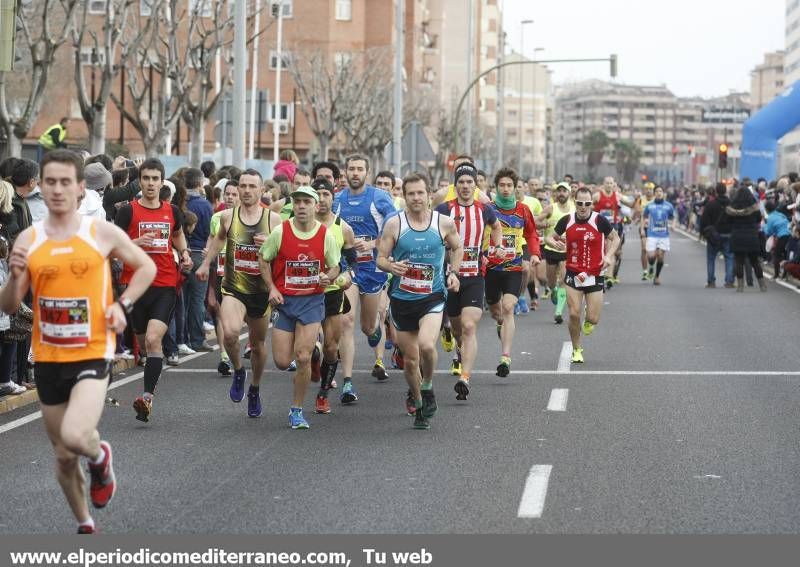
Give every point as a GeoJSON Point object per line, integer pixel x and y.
{"type": "Point", "coordinates": [299, 263]}
{"type": "Point", "coordinates": [513, 223]}
{"type": "Point", "coordinates": [71, 283]}
{"type": "Point", "coordinates": [160, 223]}
{"type": "Point", "coordinates": [553, 219]}
{"type": "Point", "coordinates": [242, 273]}
{"type": "Point", "coordinates": [336, 229]}
{"type": "Point", "coordinates": [608, 206]}
{"type": "Point", "coordinates": [585, 245]}
{"type": "Point", "coordinates": [424, 251]}
{"type": "Point", "coordinates": [471, 226]}
{"type": "Point", "coordinates": [213, 230]}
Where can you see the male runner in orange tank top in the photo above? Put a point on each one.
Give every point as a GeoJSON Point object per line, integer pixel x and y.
{"type": "Point", "coordinates": [63, 260]}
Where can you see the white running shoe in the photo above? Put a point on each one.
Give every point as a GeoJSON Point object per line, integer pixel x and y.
{"type": "Point", "coordinates": [184, 349]}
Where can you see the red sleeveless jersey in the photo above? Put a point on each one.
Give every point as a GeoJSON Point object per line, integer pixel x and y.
{"type": "Point", "coordinates": [608, 206]}
{"type": "Point", "coordinates": [161, 223]}
{"type": "Point", "coordinates": [585, 245]}
{"type": "Point", "coordinates": [299, 263]}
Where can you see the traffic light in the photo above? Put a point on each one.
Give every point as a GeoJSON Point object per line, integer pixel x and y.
{"type": "Point", "coordinates": [613, 60]}
{"type": "Point", "coordinates": [722, 161]}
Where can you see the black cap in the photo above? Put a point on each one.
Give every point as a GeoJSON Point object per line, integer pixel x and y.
{"type": "Point", "coordinates": [322, 184]}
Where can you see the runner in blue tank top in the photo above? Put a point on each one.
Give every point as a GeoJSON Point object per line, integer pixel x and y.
{"type": "Point", "coordinates": [411, 248]}
{"type": "Point", "coordinates": [365, 209]}
{"type": "Point", "coordinates": [656, 217]}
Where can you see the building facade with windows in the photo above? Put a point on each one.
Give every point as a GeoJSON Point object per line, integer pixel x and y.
{"type": "Point", "coordinates": [790, 144]}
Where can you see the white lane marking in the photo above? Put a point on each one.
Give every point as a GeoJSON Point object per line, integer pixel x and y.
{"type": "Point", "coordinates": [558, 399]}
{"type": "Point", "coordinates": [531, 505]}
{"type": "Point", "coordinates": [565, 358]}
{"type": "Point", "coordinates": [787, 285]}
{"type": "Point", "coordinates": [116, 384]}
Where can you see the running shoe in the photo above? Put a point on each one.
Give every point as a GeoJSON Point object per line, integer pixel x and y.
{"type": "Point", "coordinates": [172, 360]}
{"type": "Point", "coordinates": [296, 419]}
{"type": "Point", "coordinates": [143, 407]}
{"type": "Point", "coordinates": [644, 276]}
{"type": "Point", "coordinates": [656, 281]}
{"type": "Point", "coordinates": [253, 402]}
{"type": "Point", "coordinates": [103, 484]}
{"type": "Point", "coordinates": [558, 319]}
{"type": "Point", "coordinates": [420, 421]}
{"type": "Point", "coordinates": [348, 395]}
{"type": "Point", "coordinates": [375, 338]}
{"type": "Point", "coordinates": [588, 328]}
{"type": "Point", "coordinates": [142, 361]}
{"type": "Point", "coordinates": [224, 368]}
{"type": "Point", "coordinates": [183, 349]}
{"type": "Point", "coordinates": [524, 309]}
{"type": "Point", "coordinates": [322, 405]}
{"type": "Point", "coordinates": [86, 530]}
{"type": "Point", "coordinates": [448, 342]}
{"type": "Point", "coordinates": [247, 351]}
{"type": "Point", "coordinates": [411, 407]}
{"type": "Point", "coordinates": [397, 358]}
{"type": "Point", "coordinates": [316, 363]}
{"type": "Point", "coordinates": [504, 367]}
{"type": "Point", "coordinates": [429, 406]}
{"type": "Point", "coordinates": [292, 366]}
{"type": "Point", "coordinates": [516, 309]}
{"type": "Point", "coordinates": [237, 385]}
{"type": "Point", "coordinates": [577, 355]}
{"type": "Point", "coordinates": [455, 368]}
{"type": "Point", "coordinates": [208, 327]}
{"type": "Point", "coordinates": [650, 274]}
{"type": "Point", "coordinates": [462, 389]}
{"type": "Point", "coordinates": [379, 371]}
{"type": "Point", "coordinates": [609, 282]}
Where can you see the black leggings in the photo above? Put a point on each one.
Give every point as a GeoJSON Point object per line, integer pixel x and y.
{"type": "Point", "coordinates": [755, 261]}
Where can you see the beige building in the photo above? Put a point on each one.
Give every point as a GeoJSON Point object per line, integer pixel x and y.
{"type": "Point", "coordinates": [678, 137]}
{"type": "Point", "coordinates": [766, 80]}
{"type": "Point", "coordinates": [790, 144]}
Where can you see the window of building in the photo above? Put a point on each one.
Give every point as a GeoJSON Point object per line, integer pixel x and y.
{"type": "Point", "coordinates": [146, 7]}
{"type": "Point", "coordinates": [86, 56]}
{"type": "Point", "coordinates": [286, 58]}
{"type": "Point", "coordinates": [285, 112]}
{"type": "Point", "coordinates": [201, 7]}
{"type": "Point", "coordinates": [97, 6]}
{"type": "Point", "coordinates": [342, 59]}
{"type": "Point", "coordinates": [344, 10]}
{"type": "Point", "coordinates": [286, 5]}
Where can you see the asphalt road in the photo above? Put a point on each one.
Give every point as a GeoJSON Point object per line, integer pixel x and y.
{"type": "Point", "coordinates": [682, 420]}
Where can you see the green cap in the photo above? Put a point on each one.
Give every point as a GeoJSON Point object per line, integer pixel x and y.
{"type": "Point", "coordinates": [305, 191]}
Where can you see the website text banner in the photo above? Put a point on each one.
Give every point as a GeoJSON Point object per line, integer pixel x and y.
{"type": "Point", "coordinates": [398, 551]}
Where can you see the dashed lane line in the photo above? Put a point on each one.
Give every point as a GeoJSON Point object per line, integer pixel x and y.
{"type": "Point", "coordinates": [531, 505]}
{"type": "Point", "coordinates": [565, 358]}
{"type": "Point", "coordinates": [558, 399]}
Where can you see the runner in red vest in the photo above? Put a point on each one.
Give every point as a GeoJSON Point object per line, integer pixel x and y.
{"type": "Point", "coordinates": [607, 202]}
{"type": "Point", "coordinates": [591, 242]}
{"type": "Point", "coordinates": [299, 259]}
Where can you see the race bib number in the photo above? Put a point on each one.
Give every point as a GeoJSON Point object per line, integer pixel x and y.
{"type": "Point", "coordinates": [64, 321]}
{"type": "Point", "coordinates": [160, 232]}
{"type": "Point", "coordinates": [418, 279]}
{"type": "Point", "coordinates": [510, 244]}
{"type": "Point", "coordinates": [587, 281]}
{"type": "Point", "coordinates": [470, 263]}
{"type": "Point", "coordinates": [221, 264]}
{"type": "Point", "coordinates": [245, 259]}
{"type": "Point", "coordinates": [365, 256]}
{"type": "Point", "coordinates": [302, 275]}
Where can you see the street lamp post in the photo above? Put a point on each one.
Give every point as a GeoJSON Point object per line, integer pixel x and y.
{"type": "Point", "coordinates": [533, 116]}
{"type": "Point", "coordinates": [522, 25]}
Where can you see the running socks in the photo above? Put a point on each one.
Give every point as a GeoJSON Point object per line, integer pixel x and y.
{"type": "Point", "coordinates": [328, 371]}
{"type": "Point", "coordinates": [532, 290]}
{"type": "Point", "coordinates": [152, 371]}
{"type": "Point", "coordinates": [659, 266]}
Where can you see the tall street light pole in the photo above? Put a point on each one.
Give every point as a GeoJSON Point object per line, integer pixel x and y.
{"type": "Point", "coordinates": [470, 56]}
{"type": "Point", "coordinates": [501, 103]}
{"type": "Point", "coordinates": [533, 117]}
{"type": "Point", "coordinates": [399, 52]}
{"type": "Point", "coordinates": [239, 92]}
{"type": "Point", "coordinates": [276, 123]}
{"type": "Point", "coordinates": [522, 25]}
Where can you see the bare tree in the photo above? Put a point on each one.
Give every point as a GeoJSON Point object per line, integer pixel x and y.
{"type": "Point", "coordinates": [43, 26]}
{"type": "Point", "coordinates": [118, 22]}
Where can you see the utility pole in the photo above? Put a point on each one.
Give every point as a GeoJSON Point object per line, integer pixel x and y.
{"type": "Point", "coordinates": [521, 87]}
{"type": "Point", "coordinates": [276, 123]}
{"type": "Point", "coordinates": [470, 43]}
{"type": "Point", "coordinates": [399, 51]}
{"type": "Point", "coordinates": [501, 103]}
{"type": "Point", "coordinates": [239, 91]}
{"type": "Point", "coordinates": [254, 85]}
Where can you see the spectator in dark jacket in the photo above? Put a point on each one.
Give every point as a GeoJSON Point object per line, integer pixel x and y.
{"type": "Point", "coordinates": [745, 220]}
{"type": "Point", "coordinates": [194, 290]}
{"type": "Point", "coordinates": [716, 230]}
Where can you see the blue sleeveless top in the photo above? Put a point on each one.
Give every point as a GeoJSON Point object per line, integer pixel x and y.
{"type": "Point", "coordinates": [424, 251]}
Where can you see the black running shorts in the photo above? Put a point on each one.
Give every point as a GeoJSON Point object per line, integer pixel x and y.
{"type": "Point", "coordinates": [156, 303]}
{"type": "Point", "coordinates": [554, 258]}
{"type": "Point", "coordinates": [406, 314]}
{"type": "Point", "coordinates": [571, 281]}
{"type": "Point", "coordinates": [469, 294]}
{"type": "Point", "coordinates": [256, 304]}
{"type": "Point", "coordinates": [336, 303]}
{"type": "Point", "coordinates": [55, 380]}
{"type": "Point", "coordinates": [499, 283]}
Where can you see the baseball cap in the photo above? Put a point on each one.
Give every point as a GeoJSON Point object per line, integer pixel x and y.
{"type": "Point", "coordinates": [97, 176]}
{"type": "Point", "coordinates": [322, 184]}
{"type": "Point", "coordinates": [563, 185]}
{"type": "Point", "coordinates": [305, 191]}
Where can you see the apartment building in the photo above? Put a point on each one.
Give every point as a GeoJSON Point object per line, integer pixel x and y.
{"type": "Point", "coordinates": [766, 80]}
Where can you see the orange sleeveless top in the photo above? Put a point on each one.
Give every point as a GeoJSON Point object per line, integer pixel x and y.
{"type": "Point", "coordinates": [71, 284]}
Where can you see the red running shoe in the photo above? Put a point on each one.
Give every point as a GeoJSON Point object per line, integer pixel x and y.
{"type": "Point", "coordinates": [103, 485]}
{"type": "Point", "coordinates": [86, 530]}
{"type": "Point", "coordinates": [322, 405]}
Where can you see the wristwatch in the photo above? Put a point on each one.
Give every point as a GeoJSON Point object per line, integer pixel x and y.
{"type": "Point", "coordinates": [126, 304]}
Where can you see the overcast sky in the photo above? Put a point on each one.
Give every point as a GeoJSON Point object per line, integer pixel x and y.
{"type": "Point", "coordinates": [694, 47]}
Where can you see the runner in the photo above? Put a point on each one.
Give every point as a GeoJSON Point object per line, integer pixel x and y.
{"type": "Point", "coordinates": [245, 296]}
{"type": "Point", "coordinates": [529, 274]}
{"type": "Point", "coordinates": [336, 303]}
{"type": "Point", "coordinates": [412, 249]}
{"type": "Point", "coordinates": [655, 217]}
{"type": "Point", "coordinates": [504, 273]}
{"type": "Point", "coordinates": [299, 259]}
{"type": "Point", "coordinates": [64, 261]}
{"type": "Point", "coordinates": [156, 227]}
{"type": "Point", "coordinates": [607, 202]}
{"type": "Point", "coordinates": [364, 208]}
{"type": "Point", "coordinates": [555, 257]}
{"type": "Point", "coordinates": [230, 201]}
{"type": "Point", "coordinates": [465, 306]}
{"type": "Point", "coordinates": [590, 245]}
{"type": "Point", "coordinates": [645, 199]}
